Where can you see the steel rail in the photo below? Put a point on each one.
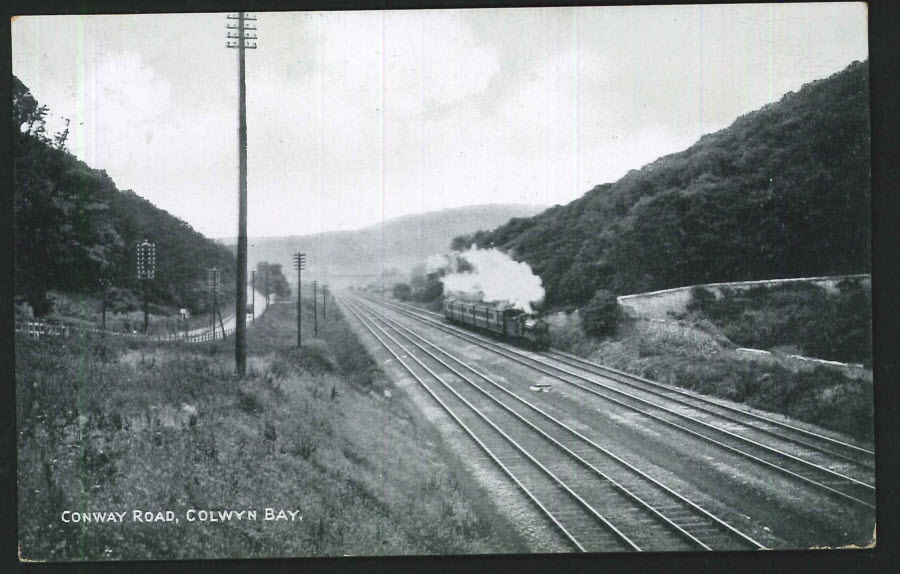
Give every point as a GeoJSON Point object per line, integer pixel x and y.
{"type": "Point", "coordinates": [676, 400]}
{"type": "Point", "coordinates": [745, 538]}
{"type": "Point", "coordinates": [487, 450]}
{"type": "Point", "coordinates": [603, 370]}
{"type": "Point", "coordinates": [558, 444]}
{"type": "Point", "coordinates": [866, 453]}
{"type": "Point", "coordinates": [510, 354]}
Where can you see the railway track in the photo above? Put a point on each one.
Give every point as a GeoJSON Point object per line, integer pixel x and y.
{"type": "Point", "coordinates": [597, 500]}
{"type": "Point", "coordinates": [862, 456]}
{"type": "Point", "coordinates": [840, 469]}
{"type": "Point", "coordinates": [849, 452]}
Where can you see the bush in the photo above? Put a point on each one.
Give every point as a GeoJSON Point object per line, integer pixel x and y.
{"type": "Point", "coordinates": [433, 290]}
{"type": "Point", "coordinates": [121, 300]}
{"type": "Point", "coordinates": [602, 314]}
{"type": "Point", "coordinates": [835, 326]}
{"type": "Point", "coordinates": [702, 299]}
{"type": "Point", "coordinates": [402, 292]}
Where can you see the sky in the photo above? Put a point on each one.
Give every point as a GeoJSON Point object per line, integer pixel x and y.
{"type": "Point", "coordinates": [358, 117]}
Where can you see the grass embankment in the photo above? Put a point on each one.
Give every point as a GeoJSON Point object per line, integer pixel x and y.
{"type": "Point", "coordinates": [804, 318]}
{"type": "Point", "coordinates": [109, 425]}
{"type": "Point", "coordinates": [693, 358]}
{"type": "Point", "coordinates": [77, 309]}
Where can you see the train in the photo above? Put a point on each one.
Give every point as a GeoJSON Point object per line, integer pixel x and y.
{"type": "Point", "coordinates": [512, 324]}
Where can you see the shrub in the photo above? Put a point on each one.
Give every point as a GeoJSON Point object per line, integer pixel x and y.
{"type": "Point", "coordinates": [402, 292]}
{"type": "Point", "coordinates": [602, 314]}
{"type": "Point", "coordinates": [806, 316]}
{"type": "Point", "coordinates": [121, 300]}
{"type": "Point", "coordinates": [702, 299]}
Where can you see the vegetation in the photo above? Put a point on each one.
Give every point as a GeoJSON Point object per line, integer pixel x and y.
{"type": "Point", "coordinates": [73, 228]}
{"type": "Point", "coordinates": [112, 425]}
{"type": "Point", "coordinates": [402, 292]}
{"type": "Point", "coordinates": [602, 314]}
{"type": "Point", "coordinates": [821, 395]}
{"type": "Point", "coordinates": [783, 192]}
{"type": "Point", "coordinates": [278, 283]}
{"type": "Point", "coordinates": [819, 324]}
{"type": "Point", "coordinates": [424, 289]}
{"type": "Point", "coordinates": [690, 357]}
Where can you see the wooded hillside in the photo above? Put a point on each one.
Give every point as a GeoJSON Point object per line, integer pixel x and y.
{"type": "Point", "coordinates": [783, 192]}
{"type": "Point", "coordinates": [73, 227]}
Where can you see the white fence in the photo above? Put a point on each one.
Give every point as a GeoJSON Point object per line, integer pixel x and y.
{"type": "Point", "coordinates": [36, 330]}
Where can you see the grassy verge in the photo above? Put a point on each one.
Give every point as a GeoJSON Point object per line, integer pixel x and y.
{"type": "Point", "coordinates": [80, 310]}
{"type": "Point", "coordinates": [807, 318]}
{"type": "Point", "coordinates": [107, 425]}
{"type": "Point", "coordinates": [820, 395]}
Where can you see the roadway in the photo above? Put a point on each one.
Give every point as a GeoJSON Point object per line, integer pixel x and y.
{"type": "Point", "coordinates": [230, 320]}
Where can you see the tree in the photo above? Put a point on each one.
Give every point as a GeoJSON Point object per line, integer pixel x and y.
{"type": "Point", "coordinates": [576, 285]}
{"type": "Point", "coordinates": [402, 292]}
{"type": "Point", "coordinates": [783, 192]}
{"type": "Point", "coordinates": [278, 283]}
{"type": "Point", "coordinates": [63, 235]}
{"type": "Point", "coordinates": [72, 226]}
{"type": "Point", "coordinates": [602, 314]}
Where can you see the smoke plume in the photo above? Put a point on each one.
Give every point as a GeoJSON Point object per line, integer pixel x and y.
{"type": "Point", "coordinates": [494, 277]}
{"type": "Point", "coordinates": [435, 263]}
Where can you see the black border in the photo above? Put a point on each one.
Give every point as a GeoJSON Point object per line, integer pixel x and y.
{"type": "Point", "coordinates": [884, 25]}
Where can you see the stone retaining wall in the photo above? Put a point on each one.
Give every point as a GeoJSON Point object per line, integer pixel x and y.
{"type": "Point", "coordinates": [659, 304]}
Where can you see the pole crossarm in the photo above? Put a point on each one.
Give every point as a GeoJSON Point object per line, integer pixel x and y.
{"type": "Point", "coordinates": [241, 33]}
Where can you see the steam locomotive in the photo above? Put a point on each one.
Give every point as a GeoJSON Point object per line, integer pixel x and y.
{"type": "Point", "coordinates": [513, 324]}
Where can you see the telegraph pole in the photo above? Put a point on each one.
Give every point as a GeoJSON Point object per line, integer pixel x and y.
{"type": "Point", "coordinates": [239, 34]}
{"type": "Point", "coordinates": [253, 294]}
{"type": "Point", "coordinates": [267, 285]}
{"type": "Point", "coordinates": [299, 265]}
{"type": "Point", "coordinates": [315, 311]}
{"type": "Point", "coordinates": [324, 300]}
{"type": "Point", "coordinates": [104, 283]}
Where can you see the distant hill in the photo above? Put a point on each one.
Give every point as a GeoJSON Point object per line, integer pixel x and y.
{"type": "Point", "coordinates": [783, 192]}
{"type": "Point", "coordinates": [398, 244]}
{"type": "Point", "coordinates": [72, 227]}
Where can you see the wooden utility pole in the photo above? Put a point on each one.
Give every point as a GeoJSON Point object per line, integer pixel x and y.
{"type": "Point", "coordinates": [267, 285]}
{"type": "Point", "coordinates": [299, 265]}
{"type": "Point", "coordinates": [253, 294]}
{"type": "Point", "coordinates": [105, 284]}
{"type": "Point", "coordinates": [324, 300]}
{"type": "Point", "coordinates": [238, 35]}
{"type": "Point", "coordinates": [315, 312]}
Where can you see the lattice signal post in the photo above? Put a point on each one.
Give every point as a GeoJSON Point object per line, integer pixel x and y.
{"type": "Point", "coordinates": [146, 271]}
{"type": "Point", "coordinates": [214, 283]}
{"type": "Point", "coordinates": [299, 265]}
{"type": "Point", "coordinates": [242, 36]}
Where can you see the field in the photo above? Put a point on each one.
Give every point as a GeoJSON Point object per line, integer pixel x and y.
{"type": "Point", "coordinates": [106, 425]}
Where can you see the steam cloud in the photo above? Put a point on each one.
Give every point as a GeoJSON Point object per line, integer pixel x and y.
{"type": "Point", "coordinates": [435, 263]}
{"type": "Point", "coordinates": [495, 278]}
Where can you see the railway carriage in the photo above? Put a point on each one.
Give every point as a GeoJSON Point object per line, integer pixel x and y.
{"type": "Point", "coordinates": [513, 324]}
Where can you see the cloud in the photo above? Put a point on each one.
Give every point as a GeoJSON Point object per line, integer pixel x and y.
{"type": "Point", "coordinates": [355, 116]}
{"type": "Point", "coordinates": [433, 62]}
